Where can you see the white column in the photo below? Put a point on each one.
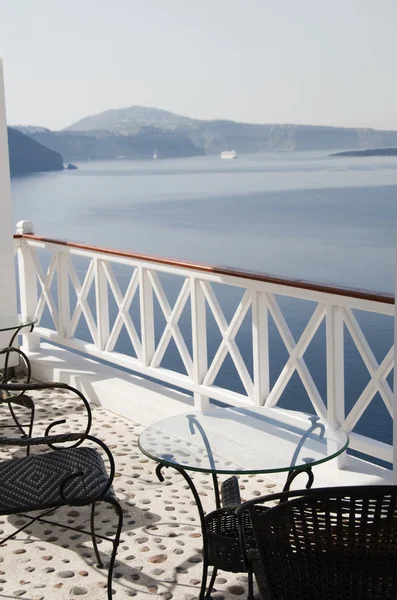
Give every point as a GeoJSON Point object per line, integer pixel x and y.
{"type": "Point", "coordinates": [395, 386]}
{"type": "Point", "coordinates": [8, 303]}
{"type": "Point", "coordinates": [27, 285]}
{"type": "Point", "coordinates": [260, 348]}
{"type": "Point", "coordinates": [199, 341]}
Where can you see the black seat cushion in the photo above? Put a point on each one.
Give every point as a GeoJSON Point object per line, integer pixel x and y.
{"type": "Point", "coordinates": [33, 482]}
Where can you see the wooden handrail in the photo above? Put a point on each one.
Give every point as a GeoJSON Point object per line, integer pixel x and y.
{"type": "Point", "coordinates": [384, 297]}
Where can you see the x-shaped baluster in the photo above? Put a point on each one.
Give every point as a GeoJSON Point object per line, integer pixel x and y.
{"type": "Point", "coordinates": [378, 373]}
{"type": "Point", "coordinates": [296, 352]}
{"type": "Point", "coordinates": [82, 291]}
{"type": "Point", "coordinates": [45, 284]}
{"type": "Point", "coordinates": [172, 328]}
{"type": "Point", "coordinates": [123, 304]}
{"type": "Point", "coordinates": [228, 343]}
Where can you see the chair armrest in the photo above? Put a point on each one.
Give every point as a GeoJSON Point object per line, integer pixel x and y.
{"type": "Point", "coordinates": [38, 386]}
{"type": "Point", "coordinates": [108, 483]}
{"type": "Point", "coordinates": [259, 500]}
{"type": "Point", "coordinates": [27, 387]}
{"type": "Point", "coordinates": [37, 441]}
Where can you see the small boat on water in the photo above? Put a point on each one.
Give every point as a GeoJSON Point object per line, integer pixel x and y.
{"type": "Point", "coordinates": [229, 154]}
{"type": "Point", "coordinates": [155, 154]}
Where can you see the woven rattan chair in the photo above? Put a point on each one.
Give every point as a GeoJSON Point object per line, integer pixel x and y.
{"type": "Point", "coordinates": [223, 542]}
{"type": "Point", "coordinates": [324, 544]}
{"type": "Point", "coordinates": [63, 476]}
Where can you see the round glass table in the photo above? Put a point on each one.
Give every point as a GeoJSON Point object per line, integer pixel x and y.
{"type": "Point", "coordinates": [241, 441]}
{"type": "Point", "coordinates": [237, 441]}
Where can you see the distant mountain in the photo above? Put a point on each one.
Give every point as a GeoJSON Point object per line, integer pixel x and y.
{"type": "Point", "coordinates": [130, 120]}
{"type": "Point", "coordinates": [29, 156]}
{"type": "Point", "coordinates": [215, 136]}
{"type": "Point", "coordinates": [30, 129]}
{"type": "Point", "coordinates": [372, 152]}
{"type": "Point", "coordinates": [105, 145]}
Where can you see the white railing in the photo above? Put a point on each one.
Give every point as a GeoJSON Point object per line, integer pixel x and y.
{"type": "Point", "coordinates": [72, 294]}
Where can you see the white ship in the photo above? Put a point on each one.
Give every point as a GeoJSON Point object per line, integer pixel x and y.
{"type": "Point", "coordinates": [229, 154]}
{"type": "Point", "coordinates": [155, 154]}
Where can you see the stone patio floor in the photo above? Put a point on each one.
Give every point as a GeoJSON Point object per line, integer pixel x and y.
{"type": "Point", "coordinates": [160, 552]}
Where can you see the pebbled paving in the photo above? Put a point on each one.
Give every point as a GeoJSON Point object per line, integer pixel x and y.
{"type": "Point", "coordinates": [160, 552]}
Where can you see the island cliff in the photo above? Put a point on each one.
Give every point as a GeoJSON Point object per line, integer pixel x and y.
{"type": "Point", "coordinates": [29, 156]}
{"type": "Point", "coordinates": [370, 152]}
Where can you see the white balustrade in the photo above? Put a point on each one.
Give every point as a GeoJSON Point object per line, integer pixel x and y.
{"type": "Point", "coordinates": [52, 289]}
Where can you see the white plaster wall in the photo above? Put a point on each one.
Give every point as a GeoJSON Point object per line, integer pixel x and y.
{"type": "Point", "coordinates": [8, 304]}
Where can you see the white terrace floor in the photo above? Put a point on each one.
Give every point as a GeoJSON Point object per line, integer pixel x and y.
{"type": "Point", "coordinates": [160, 552]}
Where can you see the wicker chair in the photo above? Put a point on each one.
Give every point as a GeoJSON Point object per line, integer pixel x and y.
{"type": "Point", "coordinates": [63, 476]}
{"type": "Point", "coordinates": [324, 544]}
{"type": "Point", "coordinates": [223, 542]}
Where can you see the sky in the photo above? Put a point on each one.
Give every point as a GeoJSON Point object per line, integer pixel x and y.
{"type": "Point", "coordinates": [321, 62]}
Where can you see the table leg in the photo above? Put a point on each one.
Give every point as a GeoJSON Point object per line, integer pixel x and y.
{"type": "Point", "coordinates": [204, 534]}
{"type": "Point", "coordinates": [294, 473]}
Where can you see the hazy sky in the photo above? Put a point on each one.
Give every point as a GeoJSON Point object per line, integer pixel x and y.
{"type": "Point", "coordinates": [288, 61]}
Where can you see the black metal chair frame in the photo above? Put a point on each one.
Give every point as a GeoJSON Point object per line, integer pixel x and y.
{"type": "Point", "coordinates": [335, 557]}
{"type": "Point", "coordinates": [52, 441]}
{"type": "Point", "coordinates": [15, 393]}
{"type": "Point", "coordinates": [19, 399]}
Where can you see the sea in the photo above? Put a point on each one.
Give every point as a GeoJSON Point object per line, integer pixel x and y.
{"type": "Point", "coordinates": [305, 215]}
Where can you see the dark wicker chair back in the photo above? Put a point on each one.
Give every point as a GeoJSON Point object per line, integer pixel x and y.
{"type": "Point", "coordinates": [324, 544]}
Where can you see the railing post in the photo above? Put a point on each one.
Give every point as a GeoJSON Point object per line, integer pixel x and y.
{"type": "Point", "coordinates": [260, 350]}
{"type": "Point", "coordinates": [147, 316]}
{"type": "Point", "coordinates": [199, 340]}
{"type": "Point", "coordinates": [63, 294]}
{"type": "Point", "coordinates": [102, 304]}
{"type": "Point", "coordinates": [335, 372]}
{"type": "Point", "coordinates": [27, 284]}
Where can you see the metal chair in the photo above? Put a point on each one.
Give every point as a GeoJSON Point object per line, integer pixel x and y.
{"type": "Point", "coordinates": [63, 476]}
{"type": "Point", "coordinates": [14, 394]}
{"type": "Point", "coordinates": [324, 544]}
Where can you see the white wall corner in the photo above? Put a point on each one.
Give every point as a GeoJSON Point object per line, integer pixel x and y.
{"type": "Point", "coordinates": [395, 379]}
{"type": "Point", "coordinates": [8, 297]}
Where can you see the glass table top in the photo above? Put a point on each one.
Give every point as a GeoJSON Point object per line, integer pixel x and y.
{"type": "Point", "coordinates": [9, 322]}
{"type": "Point", "coordinates": [238, 441]}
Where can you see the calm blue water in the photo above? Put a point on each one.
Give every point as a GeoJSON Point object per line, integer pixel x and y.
{"type": "Point", "coordinates": [301, 215]}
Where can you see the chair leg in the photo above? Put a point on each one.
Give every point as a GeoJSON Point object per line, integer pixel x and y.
{"type": "Point", "coordinates": [26, 402]}
{"type": "Point", "coordinates": [93, 536]}
{"type": "Point", "coordinates": [115, 542]}
{"type": "Point", "coordinates": [250, 583]}
{"type": "Point", "coordinates": [31, 423]}
{"type": "Point", "coordinates": [211, 583]}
